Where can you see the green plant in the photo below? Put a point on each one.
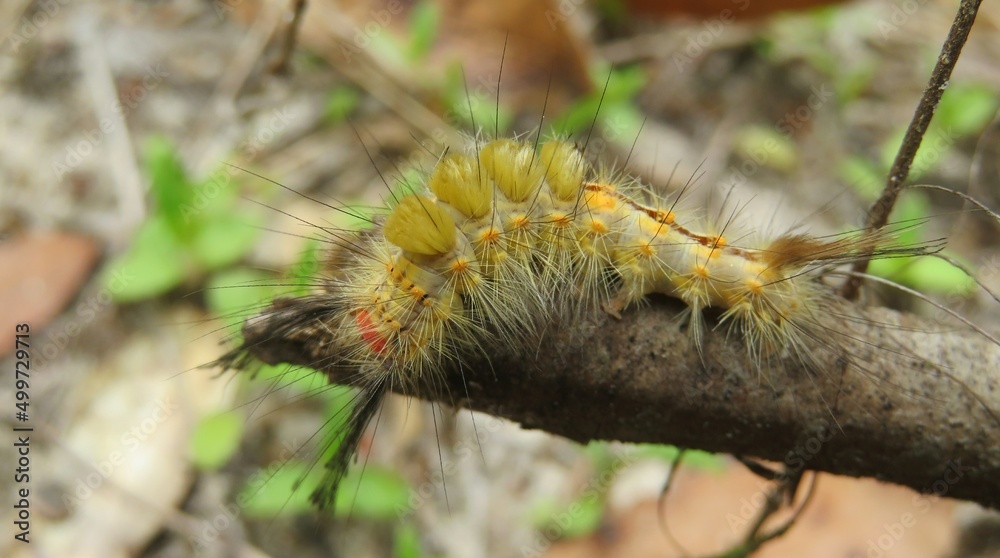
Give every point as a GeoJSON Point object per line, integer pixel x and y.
{"type": "Point", "coordinates": [583, 515]}
{"type": "Point", "coordinates": [340, 104]}
{"type": "Point", "coordinates": [618, 112]}
{"type": "Point", "coordinates": [215, 440]}
{"type": "Point", "coordinates": [467, 109]}
{"type": "Point", "coordinates": [374, 492]}
{"type": "Point", "coordinates": [193, 229]}
{"type": "Point", "coordinates": [403, 53]}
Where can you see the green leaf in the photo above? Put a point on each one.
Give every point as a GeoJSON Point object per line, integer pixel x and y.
{"type": "Point", "coordinates": [385, 46]}
{"type": "Point", "coordinates": [910, 211]}
{"type": "Point", "coordinates": [930, 274]}
{"type": "Point", "coordinates": [703, 460]}
{"type": "Point", "coordinates": [966, 108]}
{"type": "Point", "coordinates": [341, 102]}
{"type": "Point", "coordinates": [623, 119]}
{"type": "Point", "coordinates": [216, 195]}
{"type": "Point", "coordinates": [888, 268]}
{"type": "Point", "coordinates": [583, 516]}
{"type": "Point", "coordinates": [579, 518]}
{"type": "Point", "coordinates": [303, 272]}
{"type": "Point", "coordinates": [862, 175]}
{"type": "Point", "coordinates": [469, 108]}
{"type": "Point", "coordinates": [662, 452]}
{"type": "Point", "coordinates": [695, 459]}
{"type": "Point", "coordinates": [281, 489]}
{"type": "Point", "coordinates": [170, 186]}
{"type": "Point", "coordinates": [215, 440]}
{"type": "Point", "coordinates": [298, 378]}
{"type": "Point", "coordinates": [406, 543]}
{"type": "Point", "coordinates": [235, 293]}
{"type": "Point", "coordinates": [154, 264]}
{"type": "Point", "coordinates": [768, 145]}
{"type": "Point", "coordinates": [542, 511]}
{"type": "Point", "coordinates": [223, 240]}
{"type": "Point", "coordinates": [612, 12]}
{"type": "Point", "coordinates": [423, 29]}
{"type": "Point", "coordinates": [411, 180]}
{"type": "Point", "coordinates": [853, 82]}
{"type": "Point", "coordinates": [377, 493]}
{"type": "Point", "coordinates": [599, 452]}
{"type": "Point", "coordinates": [340, 401]}
{"type": "Point", "coordinates": [622, 87]}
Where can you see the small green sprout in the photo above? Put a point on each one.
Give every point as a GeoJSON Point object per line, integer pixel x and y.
{"type": "Point", "coordinates": [194, 229]}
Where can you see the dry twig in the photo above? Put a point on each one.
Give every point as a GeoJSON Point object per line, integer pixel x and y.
{"type": "Point", "coordinates": [878, 214]}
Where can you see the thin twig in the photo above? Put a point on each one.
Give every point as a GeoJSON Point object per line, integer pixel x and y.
{"type": "Point", "coordinates": [100, 84]}
{"type": "Point", "coordinates": [662, 500]}
{"type": "Point", "coordinates": [879, 213]}
{"type": "Point", "coordinates": [281, 65]}
{"type": "Point", "coordinates": [754, 540]}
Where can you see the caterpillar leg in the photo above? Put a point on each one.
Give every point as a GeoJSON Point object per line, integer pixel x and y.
{"type": "Point", "coordinates": [614, 307]}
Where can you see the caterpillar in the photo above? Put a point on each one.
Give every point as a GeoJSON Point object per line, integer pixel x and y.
{"type": "Point", "coordinates": [512, 235]}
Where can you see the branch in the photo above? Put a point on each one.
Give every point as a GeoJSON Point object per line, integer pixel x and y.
{"type": "Point", "coordinates": [878, 214]}
{"type": "Point", "coordinates": [874, 413]}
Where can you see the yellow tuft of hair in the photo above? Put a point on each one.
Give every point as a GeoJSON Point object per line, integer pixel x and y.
{"type": "Point", "coordinates": [514, 167]}
{"type": "Point", "coordinates": [461, 182]}
{"type": "Point", "coordinates": [420, 226]}
{"type": "Point", "coordinates": [564, 169]}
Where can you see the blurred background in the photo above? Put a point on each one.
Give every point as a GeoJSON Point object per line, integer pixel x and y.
{"type": "Point", "coordinates": [136, 235]}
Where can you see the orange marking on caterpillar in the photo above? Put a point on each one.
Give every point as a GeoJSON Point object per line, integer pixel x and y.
{"type": "Point", "coordinates": [562, 220]}
{"type": "Point", "coordinates": [521, 221]}
{"type": "Point", "coordinates": [489, 236]}
{"type": "Point", "coordinates": [598, 227]}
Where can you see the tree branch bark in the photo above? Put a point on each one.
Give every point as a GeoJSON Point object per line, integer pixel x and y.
{"type": "Point", "coordinates": [876, 413]}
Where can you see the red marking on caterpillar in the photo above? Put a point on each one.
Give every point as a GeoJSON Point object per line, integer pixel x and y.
{"type": "Point", "coordinates": [369, 333]}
